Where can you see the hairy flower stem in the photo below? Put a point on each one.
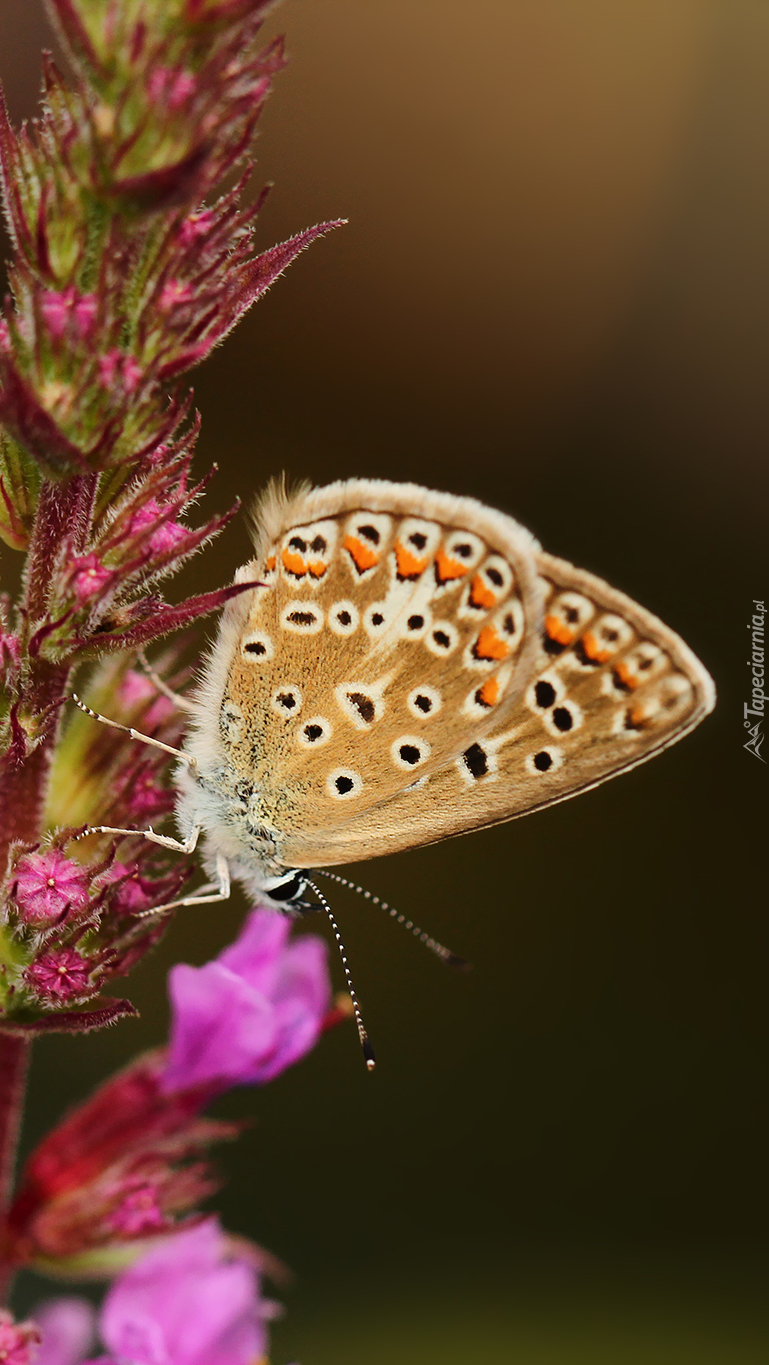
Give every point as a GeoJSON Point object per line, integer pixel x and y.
{"type": "Point", "coordinates": [14, 1059]}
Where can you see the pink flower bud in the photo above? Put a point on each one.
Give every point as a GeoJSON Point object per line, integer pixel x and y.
{"type": "Point", "coordinates": [173, 293]}
{"type": "Point", "coordinates": [115, 367]}
{"type": "Point", "coordinates": [138, 1212]}
{"type": "Point", "coordinates": [60, 974]}
{"type": "Point", "coordinates": [88, 576]}
{"type": "Point", "coordinates": [194, 227]}
{"type": "Point", "coordinates": [168, 533]}
{"type": "Point", "coordinates": [55, 308]}
{"type": "Point", "coordinates": [47, 884]}
{"type": "Point", "coordinates": [180, 89]}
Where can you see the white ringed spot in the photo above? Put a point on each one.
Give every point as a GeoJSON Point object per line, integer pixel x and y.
{"type": "Point", "coordinates": [442, 639]}
{"type": "Point", "coordinates": [286, 701]}
{"type": "Point", "coordinates": [424, 701]}
{"type": "Point", "coordinates": [343, 618]}
{"type": "Point", "coordinates": [344, 783]}
{"type": "Point", "coordinates": [302, 617]}
{"type": "Point", "coordinates": [546, 760]}
{"type": "Point", "coordinates": [312, 733]}
{"type": "Point", "coordinates": [257, 647]}
{"type": "Point", "coordinates": [564, 717]}
{"type": "Point", "coordinates": [376, 619]}
{"type": "Point", "coordinates": [360, 703]}
{"type": "Point", "coordinates": [408, 751]}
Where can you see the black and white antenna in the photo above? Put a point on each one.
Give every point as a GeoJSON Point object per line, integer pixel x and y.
{"type": "Point", "coordinates": [365, 1042]}
{"type": "Point", "coordinates": [445, 954]}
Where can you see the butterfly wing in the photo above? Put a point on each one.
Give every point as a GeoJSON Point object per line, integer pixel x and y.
{"type": "Point", "coordinates": [393, 626]}
{"type": "Point", "coordinates": [610, 687]}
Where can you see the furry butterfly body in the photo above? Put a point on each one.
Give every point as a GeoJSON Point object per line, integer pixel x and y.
{"type": "Point", "coordinates": [411, 666]}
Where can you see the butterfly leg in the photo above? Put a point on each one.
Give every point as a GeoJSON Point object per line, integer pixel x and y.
{"type": "Point", "coordinates": [180, 702]}
{"type": "Point", "coordinates": [205, 895]}
{"type": "Point", "coordinates": [135, 734]}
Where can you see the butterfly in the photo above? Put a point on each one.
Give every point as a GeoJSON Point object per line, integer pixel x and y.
{"type": "Point", "coordinates": [405, 666]}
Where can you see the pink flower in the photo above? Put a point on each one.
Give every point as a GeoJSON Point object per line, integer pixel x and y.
{"type": "Point", "coordinates": [252, 1012]}
{"type": "Point", "coordinates": [61, 974]}
{"type": "Point", "coordinates": [47, 884]}
{"type": "Point", "coordinates": [67, 1329]}
{"type": "Point", "coordinates": [17, 1340]}
{"type": "Point", "coordinates": [88, 576]}
{"type": "Point", "coordinates": [192, 1300]}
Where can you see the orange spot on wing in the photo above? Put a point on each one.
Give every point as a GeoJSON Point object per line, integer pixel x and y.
{"type": "Point", "coordinates": [488, 695]}
{"type": "Point", "coordinates": [363, 557]}
{"type": "Point", "coordinates": [639, 717]}
{"type": "Point", "coordinates": [294, 563]}
{"type": "Point", "coordinates": [317, 568]}
{"type": "Point", "coordinates": [489, 645]}
{"type": "Point", "coordinates": [626, 677]}
{"type": "Point", "coordinates": [447, 568]}
{"type": "Point", "coordinates": [480, 594]}
{"type": "Point", "coordinates": [270, 565]}
{"type": "Point", "coordinates": [558, 631]}
{"type": "Point", "coordinates": [409, 565]}
{"type": "Point", "coordinates": [593, 650]}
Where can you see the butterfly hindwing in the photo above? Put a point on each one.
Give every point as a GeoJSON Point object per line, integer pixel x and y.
{"type": "Point", "coordinates": [610, 687]}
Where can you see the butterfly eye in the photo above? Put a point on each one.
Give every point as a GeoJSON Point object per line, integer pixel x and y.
{"type": "Point", "coordinates": [289, 888]}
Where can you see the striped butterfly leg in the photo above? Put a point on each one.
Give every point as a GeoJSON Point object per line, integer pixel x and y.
{"type": "Point", "coordinates": [211, 891]}
{"type": "Point", "coordinates": [181, 703]}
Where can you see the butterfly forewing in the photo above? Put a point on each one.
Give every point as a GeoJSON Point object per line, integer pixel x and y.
{"type": "Point", "coordinates": [393, 628]}
{"type": "Point", "coordinates": [610, 686]}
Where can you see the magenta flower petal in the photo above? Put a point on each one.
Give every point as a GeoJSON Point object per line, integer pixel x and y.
{"type": "Point", "coordinates": [252, 1012]}
{"type": "Point", "coordinates": [188, 1302]}
{"type": "Point", "coordinates": [46, 883]}
{"type": "Point", "coordinates": [68, 1328]}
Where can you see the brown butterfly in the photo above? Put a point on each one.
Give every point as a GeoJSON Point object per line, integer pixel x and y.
{"type": "Point", "coordinates": [411, 665]}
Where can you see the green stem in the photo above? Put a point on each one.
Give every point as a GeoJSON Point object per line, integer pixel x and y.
{"type": "Point", "coordinates": [14, 1060]}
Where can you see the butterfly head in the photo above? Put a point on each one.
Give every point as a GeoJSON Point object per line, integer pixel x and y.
{"type": "Point", "coordinates": [287, 891]}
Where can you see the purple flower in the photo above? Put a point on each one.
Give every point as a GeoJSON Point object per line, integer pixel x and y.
{"type": "Point", "coordinates": [46, 883]}
{"type": "Point", "coordinates": [60, 974]}
{"type": "Point", "coordinates": [246, 1016]}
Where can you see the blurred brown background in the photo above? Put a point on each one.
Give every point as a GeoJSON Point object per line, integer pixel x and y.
{"type": "Point", "coordinates": [552, 294]}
